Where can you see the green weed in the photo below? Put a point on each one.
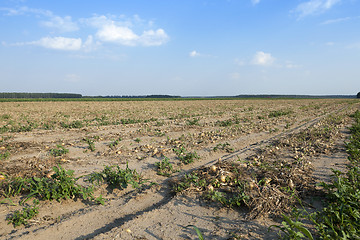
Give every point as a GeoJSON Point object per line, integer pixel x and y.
{"type": "Point", "coordinates": [165, 168]}
{"type": "Point", "coordinates": [191, 179]}
{"type": "Point", "coordinates": [28, 127]}
{"type": "Point", "coordinates": [198, 232]}
{"type": "Point", "coordinates": [4, 155]}
{"type": "Point", "coordinates": [5, 117]}
{"type": "Point", "coordinates": [194, 121]}
{"type": "Point", "coordinates": [74, 124]}
{"type": "Point", "coordinates": [293, 229]}
{"type": "Point", "coordinates": [62, 185]}
{"type": "Point", "coordinates": [58, 151]}
{"type": "Point", "coordinates": [185, 156]}
{"type": "Point", "coordinates": [340, 218]}
{"type": "Point", "coordinates": [115, 143]}
{"type": "Point", "coordinates": [116, 177]}
{"type": "Point", "coordinates": [223, 146]}
{"type": "Point", "coordinates": [279, 113]}
{"type": "Point", "coordinates": [12, 187]}
{"type": "Point", "coordinates": [224, 123]}
{"type": "Point", "coordinates": [91, 144]}
{"type": "Point", "coordinates": [129, 121]}
{"type": "Point", "coordinates": [21, 217]}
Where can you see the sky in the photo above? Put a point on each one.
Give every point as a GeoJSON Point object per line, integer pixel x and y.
{"type": "Point", "coordinates": [180, 47]}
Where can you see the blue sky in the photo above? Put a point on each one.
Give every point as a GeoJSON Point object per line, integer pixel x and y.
{"type": "Point", "coordinates": [187, 47]}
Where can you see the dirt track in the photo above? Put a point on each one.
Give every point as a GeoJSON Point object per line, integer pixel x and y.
{"type": "Point", "coordinates": [154, 212]}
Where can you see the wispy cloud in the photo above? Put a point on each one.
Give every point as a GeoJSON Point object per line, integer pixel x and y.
{"type": "Point", "coordinates": [62, 43]}
{"type": "Point", "coordinates": [59, 43]}
{"type": "Point", "coordinates": [25, 10]}
{"type": "Point", "coordinates": [263, 59]}
{"type": "Point", "coordinates": [62, 24]}
{"type": "Point", "coordinates": [254, 2]}
{"type": "Point", "coordinates": [314, 7]}
{"type": "Point", "coordinates": [291, 65]}
{"type": "Point", "coordinates": [339, 20]}
{"type": "Point", "coordinates": [194, 54]}
{"type": "Point", "coordinates": [329, 43]}
{"type": "Point", "coordinates": [121, 30]}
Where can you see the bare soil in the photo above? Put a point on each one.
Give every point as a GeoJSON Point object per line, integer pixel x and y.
{"type": "Point", "coordinates": [149, 131]}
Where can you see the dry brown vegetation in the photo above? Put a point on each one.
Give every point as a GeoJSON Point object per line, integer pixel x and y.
{"type": "Point", "coordinates": [271, 153]}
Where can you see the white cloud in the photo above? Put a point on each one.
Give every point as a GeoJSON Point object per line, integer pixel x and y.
{"type": "Point", "coordinates": [313, 7]}
{"type": "Point", "coordinates": [62, 43]}
{"type": "Point", "coordinates": [117, 34]}
{"type": "Point", "coordinates": [153, 38]}
{"type": "Point", "coordinates": [90, 44]}
{"type": "Point", "coordinates": [194, 54]}
{"type": "Point", "coordinates": [59, 43]}
{"type": "Point", "coordinates": [64, 24]}
{"type": "Point", "coordinates": [111, 29]}
{"type": "Point", "coordinates": [263, 59]}
{"type": "Point", "coordinates": [255, 1]}
{"type": "Point", "coordinates": [121, 32]}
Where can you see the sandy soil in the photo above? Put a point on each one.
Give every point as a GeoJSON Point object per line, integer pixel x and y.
{"type": "Point", "coordinates": [149, 131]}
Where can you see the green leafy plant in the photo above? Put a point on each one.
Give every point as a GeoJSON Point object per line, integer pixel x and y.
{"type": "Point", "coordinates": [159, 133]}
{"type": "Point", "coordinates": [340, 218]}
{"type": "Point", "coordinates": [4, 155]}
{"type": "Point", "coordinates": [129, 121]}
{"type": "Point", "coordinates": [91, 144]}
{"type": "Point", "coordinates": [58, 151]}
{"type": "Point", "coordinates": [21, 217]}
{"type": "Point", "coordinates": [191, 179]}
{"type": "Point", "coordinates": [194, 121]}
{"type": "Point", "coordinates": [28, 127]}
{"type": "Point", "coordinates": [198, 232]}
{"type": "Point", "coordinates": [115, 143]}
{"type": "Point", "coordinates": [185, 156]}
{"type": "Point", "coordinates": [5, 116]}
{"type": "Point", "coordinates": [293, 229]}
{"type": "Point", "coordinates": [279, 113]}
{"type": "Point", "coordinates": [165, 168]}
{"type": "Point", "coordinates": [74, 124]}
{"type": "Point", "coordinates": [61, 185]}
{"type": "Point", "coordinates": [137, 140]}
{"type": "Point", "coordinates": [223, 146]}
{"type": "Point", "coordinates": [116, 177]}
{"type": "Point", "coordinates": [12, 187]}
{"type": "Point", "coordinates": [224, 123]}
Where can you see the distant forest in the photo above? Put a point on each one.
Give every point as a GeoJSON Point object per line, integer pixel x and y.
{"type": "Point", "coordinates": [8, 95]}
{"type": "Point", "coordinates": [40, 95]}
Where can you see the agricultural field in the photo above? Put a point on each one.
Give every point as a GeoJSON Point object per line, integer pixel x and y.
{"type": "Point", "coordinates": [223, 169]}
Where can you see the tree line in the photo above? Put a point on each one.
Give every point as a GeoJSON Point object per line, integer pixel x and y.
{"type": "Point", "coordinates": [40, 95]}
